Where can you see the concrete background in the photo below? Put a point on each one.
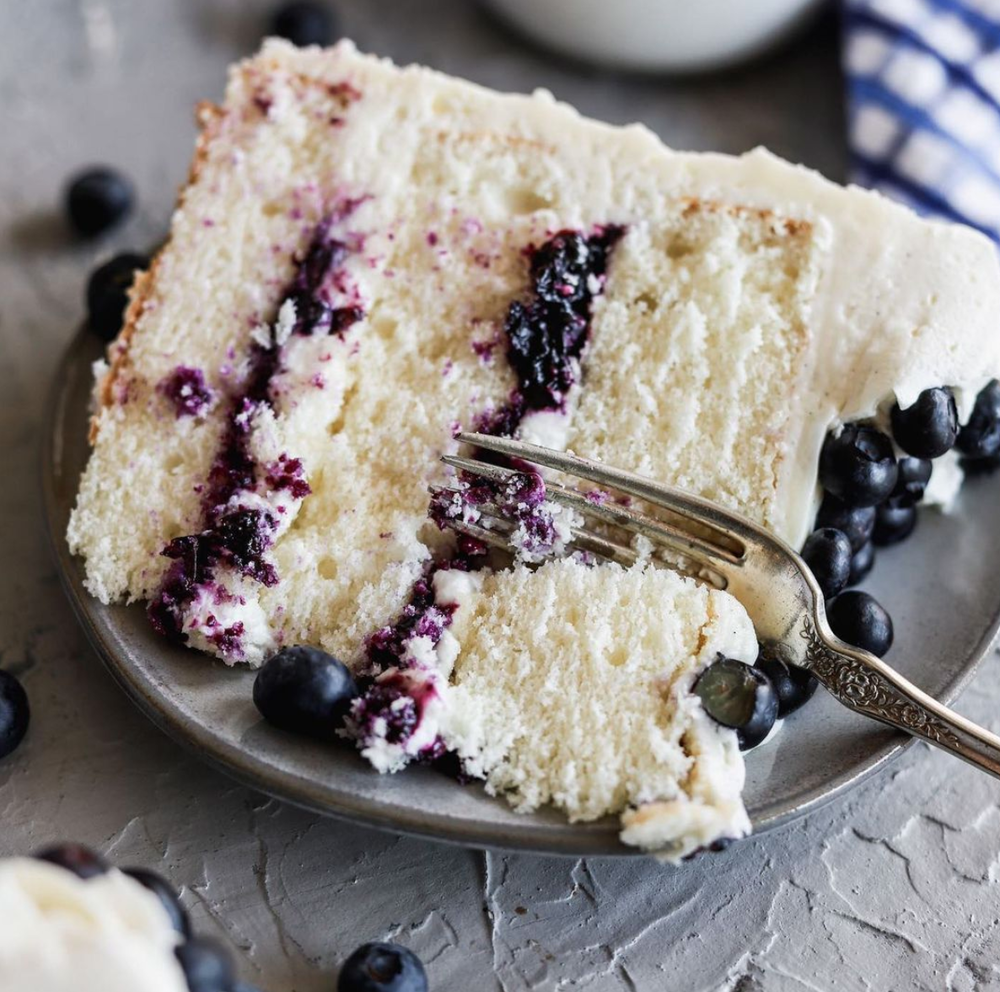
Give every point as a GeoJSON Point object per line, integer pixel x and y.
{"type": "Point", "coordinates": [894, 887]}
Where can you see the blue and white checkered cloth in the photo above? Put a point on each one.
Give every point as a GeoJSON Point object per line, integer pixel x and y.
{"type": "Point", "coordinates": [923, 88]}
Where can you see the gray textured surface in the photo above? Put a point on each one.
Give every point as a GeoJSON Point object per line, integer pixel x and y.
{"type": "Point", "coordinates": [892, 888]}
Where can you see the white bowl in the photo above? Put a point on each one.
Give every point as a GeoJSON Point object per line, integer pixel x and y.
{"type": "Point", "coordinates": [658, 35]}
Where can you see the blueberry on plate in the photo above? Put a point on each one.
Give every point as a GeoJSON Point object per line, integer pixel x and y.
{"type": "Point", "coordinates": [165, 892]}
{"type": "Point", "coordinates": [738, 696]}
{"type": "Point", "coordinates": [107, 293]}
{"type": "Point", "coordinates": [980, 437]}
{"type": "Point", "coordinates": [97, 199]}
{"type": "Point", "coordinates": [379, 967]}
{"type": "Point", "coordinates": [929, 428]}
{"type": "Point", "coordinates": [858, 465]}
{"type": "Point", "coordinates": [914, 474]}
{"type": "Point", "coordinates": [306, 691]}
{"type": "Point", "coordinates": [981, 466]}
{"type": "Point", "coordinates": [859, 619]}
{"type": "Point", "coordinates": [793, 686]}
{"type": "Point", "coordinates": [303, 23]}
{"type": "Point", "coordinates": [15, 713]}
{"type": "Point", "coordinates": [857, 522]}
{"type": "Point", "coordinates": [861, 563]}
{"type": "Point", "coordinates": [827, 552]}
{"type": "Point", "coordinates": [82, 861]}
{"type": "Point", "coordinates": [207, 965]}
{"type": "Point", "coordinates": [894, 524]}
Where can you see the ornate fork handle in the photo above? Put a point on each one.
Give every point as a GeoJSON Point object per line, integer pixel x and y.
{"type": "Point", "coordinates": [865, 683]}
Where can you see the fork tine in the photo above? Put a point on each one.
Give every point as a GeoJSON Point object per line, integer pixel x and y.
{"type": "Point", "coordinates": [663, 533]}
{"type": "Point", "coordinates": [701, 511]}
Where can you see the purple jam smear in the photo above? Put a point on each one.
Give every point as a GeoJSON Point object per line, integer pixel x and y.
{"type": "Point", "coordinates": [234, 536]}
{"type": "Point", "coordinates": [187, 390]}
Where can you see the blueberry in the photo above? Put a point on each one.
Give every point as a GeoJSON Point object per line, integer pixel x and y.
{"type": "Point", "coordinates": [894, 524]}
{"type": "Point", "coordinates": [82, 861]}
{"type": "Point", "coordinates": [857, 522]}
{"type": "Point", "coordinates": [793, 686]}
{"type": "Point", "coordinates": [981, 466]}
{"type": "Point", "coordinates": [858, 466]}
{"type": "Point", "coordinates": [738, 696]}
{"type": "Point", "coordinates": [304, 23]}
{"type": "Point", "coordinates": [381, 967]}
{"type": "Point", "coordinates": [15, 713]}
{"type": "Point", "coordinates": [914, 474]}
{"type": "Point", "coordinates": [306, 691]}
{"type": "Point", "coordinates": [859, 619]}
{"type": "Point", "coordinates": [97, 199]}
{"type": "Point", "coordinates": [980, 437]}
{"type": "Point", "coordinates": [929, 428]}
{"type": "Point", "coordinates": [861, 563]}
{"type": "Point", "coordinates": [827, 552]}
{"type": "Point", "coordinates": [107, 293]}
{"type": "Point", "coordinates": [207, 966]}
{"type": "Point", "coordinates": [165, 892]}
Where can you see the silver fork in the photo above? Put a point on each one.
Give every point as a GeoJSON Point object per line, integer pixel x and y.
{"type": "Point", "coordinates": [760, 570]}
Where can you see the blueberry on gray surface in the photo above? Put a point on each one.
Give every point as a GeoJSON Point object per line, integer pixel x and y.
{"type": "Point", "coordinates": [859, 619]}
{"type": "Point", "coordinates": [861, 563]}
{"type": "Point", "coordinates": [80, 860]}
{"type": "Point", "coordinates": [981, 466]}
{"type": "Point", "coordinates": [97, 199]}
{"type": "Point", "coordinates": [306, 691]}
{"type": "Point", "coordinates": [980, 437]}
{"type": "Point", "coordinates": [858, 465]}
{"type": "Point", "coordinates": [379, 967]}
{"type": "Point", "coordinates": [929, 427]}
{"type": "Point", "coordinates": [827, 552]}
{"type": "Point", "coordinates": [894, 524]}
{"type": "Point", "coordinates": [857, 522]}
{"type": "Point", "coordinates": [740, 696]}
{"type": "Point", "coordinates": [207, 966]}
{"type": "Point", "coordinates": [911, 483]}
{"type": "Point", "coordinates": [793, 686]}
{"type": "Point", "coordinates": [304, 23]}
{"type": "Point", "coordinates": [107, 293]}
{"type": "Point", "coordinates": [15, 713]}
{"type": "Point", "coordinates": [166, 893]}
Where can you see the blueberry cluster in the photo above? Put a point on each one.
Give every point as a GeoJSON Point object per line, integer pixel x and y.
{"type": "Point", "coordinates": [871, 496]}
{"type": "Point", "coordinates": [207, 965]}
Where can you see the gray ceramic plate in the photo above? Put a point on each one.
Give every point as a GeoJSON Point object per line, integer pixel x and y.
{"type": "Point", "coordinates": [943, 590]}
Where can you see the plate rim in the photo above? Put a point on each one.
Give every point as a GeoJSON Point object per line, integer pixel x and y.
{"type": "Point", "coordinates": [527, 836]}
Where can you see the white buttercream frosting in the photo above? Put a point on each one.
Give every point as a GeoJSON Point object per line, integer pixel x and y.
{"type": "Point", "coordinates": [60, 933]}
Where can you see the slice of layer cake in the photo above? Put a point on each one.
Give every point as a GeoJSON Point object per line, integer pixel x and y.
{"type": "Point", "coordinates": [368, 259]}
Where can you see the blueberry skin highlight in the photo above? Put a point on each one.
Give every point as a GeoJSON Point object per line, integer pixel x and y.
{"type": "Point", "coordinates": [739, 696]}
{"type": "Point", "coordinates": [827, 552]}
{"type": "Point", "coordinates": [929, 428]}
{"type": "Point", "coordinates": [207, 966]}
{"type": "Point", "coordinates": [980, 437]}
{"type": "Point", "coordinates": [97, 199]}
{"type": "Point", "coordinates": [861, 563]}
{"type": "Point", "coordinates": [859, 619]}
{"type": "Point", "coordinates": [15, 713]}
{"type": "Point", "coordinates": [793, 686]}
{"type": "Point", "coordinates": [380, 967]}
{"type": "Point", "coordinates": [305, 691]}
{"type": "Point", "coordinates": [858, 466]}
{"type": "Point", "coordinates": [304, 23]}
{"type": "Point", "coordinates": [857, 522]}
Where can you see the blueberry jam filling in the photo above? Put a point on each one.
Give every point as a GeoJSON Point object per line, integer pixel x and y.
{"type": "Point", "coordinates": [239, 521]}
{"type": "Point", "coordinates": [546, 336]}
{"type": "Point", "coordinates": [187, 390]}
